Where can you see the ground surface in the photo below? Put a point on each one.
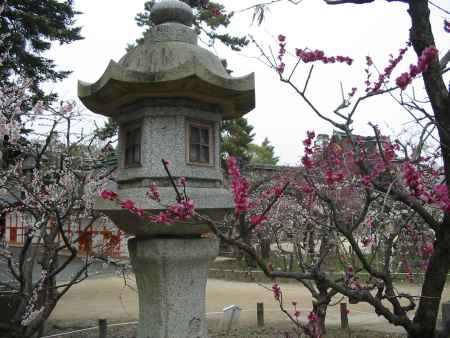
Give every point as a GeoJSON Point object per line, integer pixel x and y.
{"type": "Point", "coordinates": [110, 298]}
{"type": "Point", "coordinates": [267, 332]}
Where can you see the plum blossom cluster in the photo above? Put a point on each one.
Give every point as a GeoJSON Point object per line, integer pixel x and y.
{"type": "Point", "coordinates": [182, 182]}
{"type": "Point", "coordinates": [428, 56]}
{"type": "Point", "coordinates": [257, 221]}
{"type": "Point", "coordinates": [274, 190]}
{"type": "Point", "coordinates": [379, 162]}
{"type": "Point", "coordinates": [417, 242]}
{"type": "Point", "coordinates": [239, 186]}
{"type": "Point", "coordinates": [351, 280]}
{"type": "Point", "coordinates": [153, 192]}
{"type": "Point", "coordinates": [352, 92]}
{"type": "Point", "coordinates": [335, 164]}
{"type": "Point", "coordinates": [32, 312]}
{"type": "Point", "coordinates": [369, 64]}
{"type": "Point", "coordinates": [386, 74]}
{"type": "Point", "coordinates": [57, 188]}
{"type": "Point", "coordinates": [12, 99]}
{"type": "Point", "coordinates": [333, 177]}
{"type": "Point", "coordinates": [307, 56]}
{"type": "Point", "coordinates": [262, 204]}
{"type": "Point", "coordinates": [313, 317]}
{"type": "Point", "coordinates": [318, 55]}
{"type": "Point", "coordinates": [413, 180]}
{"type": "Point", "coordinates": [276, 290]}
{"type": "Point", "coordinates": [131, 207]}
{"type": "Point", "coordinates": [312, 328]}
{"type": "Point", "coordinates": [9, 129]}
{"type": "Point", "coordinates": [438, 195]}
{"type": "Point", "coordinates": [108, 195]}
{"type": "Point", "coordinates": [182, 210]}
{"type": "Point", "coordinates": [281, 52]}
{"type": "Point", "coordinates": [307, 160]}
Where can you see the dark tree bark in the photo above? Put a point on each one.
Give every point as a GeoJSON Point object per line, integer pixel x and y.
{"type": "Point", "coordinates": [357, 2]}
{"type": "Point", "coordinates": [436, 274]}
{"type": "Point", "coordinates": [245, 235]}
{"type": "Point", "coordinates": [265, 248]}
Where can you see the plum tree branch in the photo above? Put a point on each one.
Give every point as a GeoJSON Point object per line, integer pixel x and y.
{"type": "Point", "coordinates": [357, 2]}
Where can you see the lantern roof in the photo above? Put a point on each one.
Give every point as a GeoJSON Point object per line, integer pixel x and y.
{"type": "Point", "coordinates": [169, 64]}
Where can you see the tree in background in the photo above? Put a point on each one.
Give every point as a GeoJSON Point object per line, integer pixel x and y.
{"type": "Point", "coordinates": [28, 28]}
{"type": "Point", "coordinates": [432, 117]}
{"type": "Point", "coordinates": [48, 177]}
{"type": "Point", "coordinates": [51, 183]}
{"type": "Point", "coordinates": [418, 187]}
{"type": "Point", "coordinates": [236, 138]}
{"type": "Point", "coordinates": [263, 154]}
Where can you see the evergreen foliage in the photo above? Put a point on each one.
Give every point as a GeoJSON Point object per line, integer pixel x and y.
{"type": "Point", "coordinates": [263, 154]}
{"type": "Point", "coordinates": [236, 137]}
{"type": "Point", "coordinates": [27, 30]}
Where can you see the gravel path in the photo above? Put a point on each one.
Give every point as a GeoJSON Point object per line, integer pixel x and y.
{"type": "Point", "coordinates": [116, 301]}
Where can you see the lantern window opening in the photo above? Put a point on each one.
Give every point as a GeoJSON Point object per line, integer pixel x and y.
{"type": "Point", "coordinates": [200, 143]}
{"type": "Point", "coordinates": [133, 147]}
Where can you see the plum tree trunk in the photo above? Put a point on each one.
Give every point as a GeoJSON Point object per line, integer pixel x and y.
{"type": "Point", "coordinates": [424, 323]}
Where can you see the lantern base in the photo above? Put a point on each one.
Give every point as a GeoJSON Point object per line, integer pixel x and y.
{"type": "Point", "coordinates": [171, 275]}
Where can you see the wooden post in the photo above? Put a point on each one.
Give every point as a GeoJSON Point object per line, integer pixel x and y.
{"type": "Point", "coordinates": [344, 316]}
{"type": "Point", "coordinates": [260, 314]}
{"type": "Point", "coordinates": [102, 328]}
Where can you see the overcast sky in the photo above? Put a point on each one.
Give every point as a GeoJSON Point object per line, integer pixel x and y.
{"type": "Point", "coordinates": [376, 29]}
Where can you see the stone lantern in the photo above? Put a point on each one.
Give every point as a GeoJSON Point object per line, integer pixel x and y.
{"type": "Point", "coordinates": [169, 96]}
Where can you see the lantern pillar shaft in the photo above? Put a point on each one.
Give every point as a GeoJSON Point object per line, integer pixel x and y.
{"type": "Point", "coordinates": [171, 276]}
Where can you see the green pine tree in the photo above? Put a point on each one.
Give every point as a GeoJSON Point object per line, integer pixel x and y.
{"type": "Point", "coordinates": [263, 154]}
{"type": "Point", "coordinates": [236, 137]}
{"type": "Point", "coordinates": [27, 30]}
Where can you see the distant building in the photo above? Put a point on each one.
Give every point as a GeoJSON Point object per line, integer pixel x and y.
{"type": "Point", "coordinates": [102, 237]}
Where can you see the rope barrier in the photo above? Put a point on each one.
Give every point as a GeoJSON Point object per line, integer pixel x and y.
{"type": "Point", "coordinates": [332, 273]}
{"type": "Point", "coordinates": [208, 314]}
